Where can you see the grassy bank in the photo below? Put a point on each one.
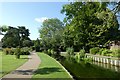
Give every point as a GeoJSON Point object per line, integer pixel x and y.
{"type": "Point", "coordinates": [10, 63]}
{"type": "Point", "coordinates": [49, 68]}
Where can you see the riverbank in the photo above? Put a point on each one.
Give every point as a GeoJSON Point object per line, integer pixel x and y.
{"type": "Point", "coordinates": [83, 70]}
{"type": "Point", "coordinates": [49, 68]}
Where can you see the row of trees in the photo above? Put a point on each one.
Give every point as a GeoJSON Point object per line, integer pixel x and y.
{"type": "Point", "coordinates": [86, 25]}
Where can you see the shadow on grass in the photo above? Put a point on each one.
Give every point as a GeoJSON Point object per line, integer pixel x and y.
{"type": "Point", "coordinates": [48, 70]}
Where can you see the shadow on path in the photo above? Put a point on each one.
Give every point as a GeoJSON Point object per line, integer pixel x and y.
{"type": "Point", "coordinates": [23, 72]}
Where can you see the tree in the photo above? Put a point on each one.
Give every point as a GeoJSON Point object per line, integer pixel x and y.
{"type": "Point", "coordinates": [88, 24]}
{"type": "Point", "coordinates": [116, 5]}
{"type": "Point", "coordinates": [16, 37]}
{"type": "Point", "coordinates": [11, 38]}
{"type": "Point", "coordinates": [3, 28]}
{"type": "Point", "coordinates": [23, 33]}
{"type": "Point", "coordinates": [50, 33]}
{"type": "Point", "coordinates": [27, 43]}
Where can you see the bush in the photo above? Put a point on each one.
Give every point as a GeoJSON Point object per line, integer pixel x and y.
{"type": "Point", "coordinates": [17, 52]}
{"type": "Point", "coordinates": [100, 51]}
{"type": "Point", "coordinates": [8, 51]}
{"type": "Point", "coordinates": [105, 52]}
{"type": "Point", "coordinates": [80, 56]}
{"type": "Point", "coordinates": [45, 51]}
{"type": "Point", "coordinates": [117, 53]}
{"type": "Point", "coordinates": [49, 52]}
{"type": "Point", "coordinates": [70, 51]}
{"type": "Point", "coordinates": [94, 50]}
{"type": "Point", "coordinates": [82, 53]}
{"type": "Point", "coordinates": [25, 51]}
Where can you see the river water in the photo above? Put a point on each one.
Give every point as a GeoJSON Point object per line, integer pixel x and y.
{"type": "Point", "coordinates": [93, 70]}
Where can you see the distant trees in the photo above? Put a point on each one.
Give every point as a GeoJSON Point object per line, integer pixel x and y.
{"type": "Point", "coordinates": [16, 37]}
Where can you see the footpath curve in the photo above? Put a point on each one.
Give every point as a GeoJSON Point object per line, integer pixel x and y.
{"type": "Point", "coordinates": [26, 70]}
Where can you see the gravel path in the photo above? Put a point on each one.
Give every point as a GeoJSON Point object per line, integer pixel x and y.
{"type": "Point", "coordinates": [25, 71]}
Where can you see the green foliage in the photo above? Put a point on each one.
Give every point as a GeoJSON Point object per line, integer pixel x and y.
{"type": "Point", "coordinates": [116, 53]}
{"type": "Point", "coordinates": [3, 28]}
{"type": "Point", "coordinates": [51, 34]}
{"type": "Point", "coordinates": [100, 51]}
{"type": "Point", "coordinates": [94, 50]}
{"type": "Point", "coordinates": [88, 60]}
{"type": "Point", "coordinates": [88, 25]}
{"type": "Point", "coordinates": [8, 51]}
{"type": "Point", "coordinates": [16, 37]}
{"type": "Point", "coordinates": [27, 43]}
{"type": "Point", "coordinates": [106, 51]}
{"type": "Point", "coordinates": [25, 51]}
{"type": "Point", "coordinates": [52, 51]}
{"type": "Point", "coordinates": [82, 53]}
{"type": "Point", "coordinates": [45, 51]}
{"type": "Point", "coordinates": [70, 51]}
{"type": "Point", "coordinates": [11, 38]}
{"type": "Point", "coordinates": [49, 52]}
{"type": "Point", "coordinates": [18, 52]}
{"type": "Point", "coordinates": [37, 45]}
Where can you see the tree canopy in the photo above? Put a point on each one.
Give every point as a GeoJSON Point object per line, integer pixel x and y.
{"type": "Point", "coordinates": [16, 37]}
{"type": "Point", "coordinates": [50, 33]}
{"type": "Point", "coordinates": [89, 24]}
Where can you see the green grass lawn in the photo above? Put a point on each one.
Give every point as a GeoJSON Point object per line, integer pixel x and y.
{"type": "Point", "coordinates": [9, 63]}
{"type": "Point", "coordinates": [49, 68]}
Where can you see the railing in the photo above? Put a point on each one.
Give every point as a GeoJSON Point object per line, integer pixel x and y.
{"type": "Point", "coordinates": [104, 59]}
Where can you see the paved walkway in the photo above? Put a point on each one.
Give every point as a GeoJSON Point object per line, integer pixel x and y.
{"type": "Point", "coordinates": [25, 71]}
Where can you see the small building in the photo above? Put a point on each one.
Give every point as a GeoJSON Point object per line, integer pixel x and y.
{"type": "Point", "coordinates": [114, 45]}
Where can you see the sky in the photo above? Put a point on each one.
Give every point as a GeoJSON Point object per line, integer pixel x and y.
{"type": "Point", "coordinates": [29, 14]}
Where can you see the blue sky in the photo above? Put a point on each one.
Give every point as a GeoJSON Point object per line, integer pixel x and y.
{"type": "Point", "coordinates": [30, 14]}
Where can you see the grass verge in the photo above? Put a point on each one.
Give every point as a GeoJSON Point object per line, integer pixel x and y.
{"type": "Point", "coordinates": [10, 63]}
{"type": "Point", "coordinates": [49, 68]}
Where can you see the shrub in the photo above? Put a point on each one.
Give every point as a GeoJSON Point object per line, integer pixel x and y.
{"type": "Point", "coordinates": [8, 51]}
{"type": "Point", "coordinates": [49, 52]}
{"type": "Point", "coordinates": [25, 51]}
{"type": "Point", "coordinates": [80, 56]}
{"type": "Point", "coordinates": [88, 60]}
{"type": "Point", "coordinates": [82, 53]}
{"type": "Point", "coordinates": [100, 51]}
{"type": "Point", "coordinates": [17, 52]}
{"type": "Point", "coordinates": [70, 51]}
{"type": "Point", "coordinates": [94, 50]}
{"type": "Point", "coordinates": [117, 53]}
{"type": "Point", "coordinates": [105, 52]}
{"type": "Point", "coordinates": [45, 51]}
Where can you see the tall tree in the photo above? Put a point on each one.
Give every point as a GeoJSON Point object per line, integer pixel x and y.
{"type": "Point", "coordinates": [50, 33]}
{"type": "Point", "coordinates": [11, 38]}
{"type": "Point", "coordinates": [88, 24]}
{"type": "Point", "coordinates": [16, 37]}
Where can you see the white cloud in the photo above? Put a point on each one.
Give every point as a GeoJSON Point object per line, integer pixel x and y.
{"type": "Point", "coordinates": [41, 19]}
